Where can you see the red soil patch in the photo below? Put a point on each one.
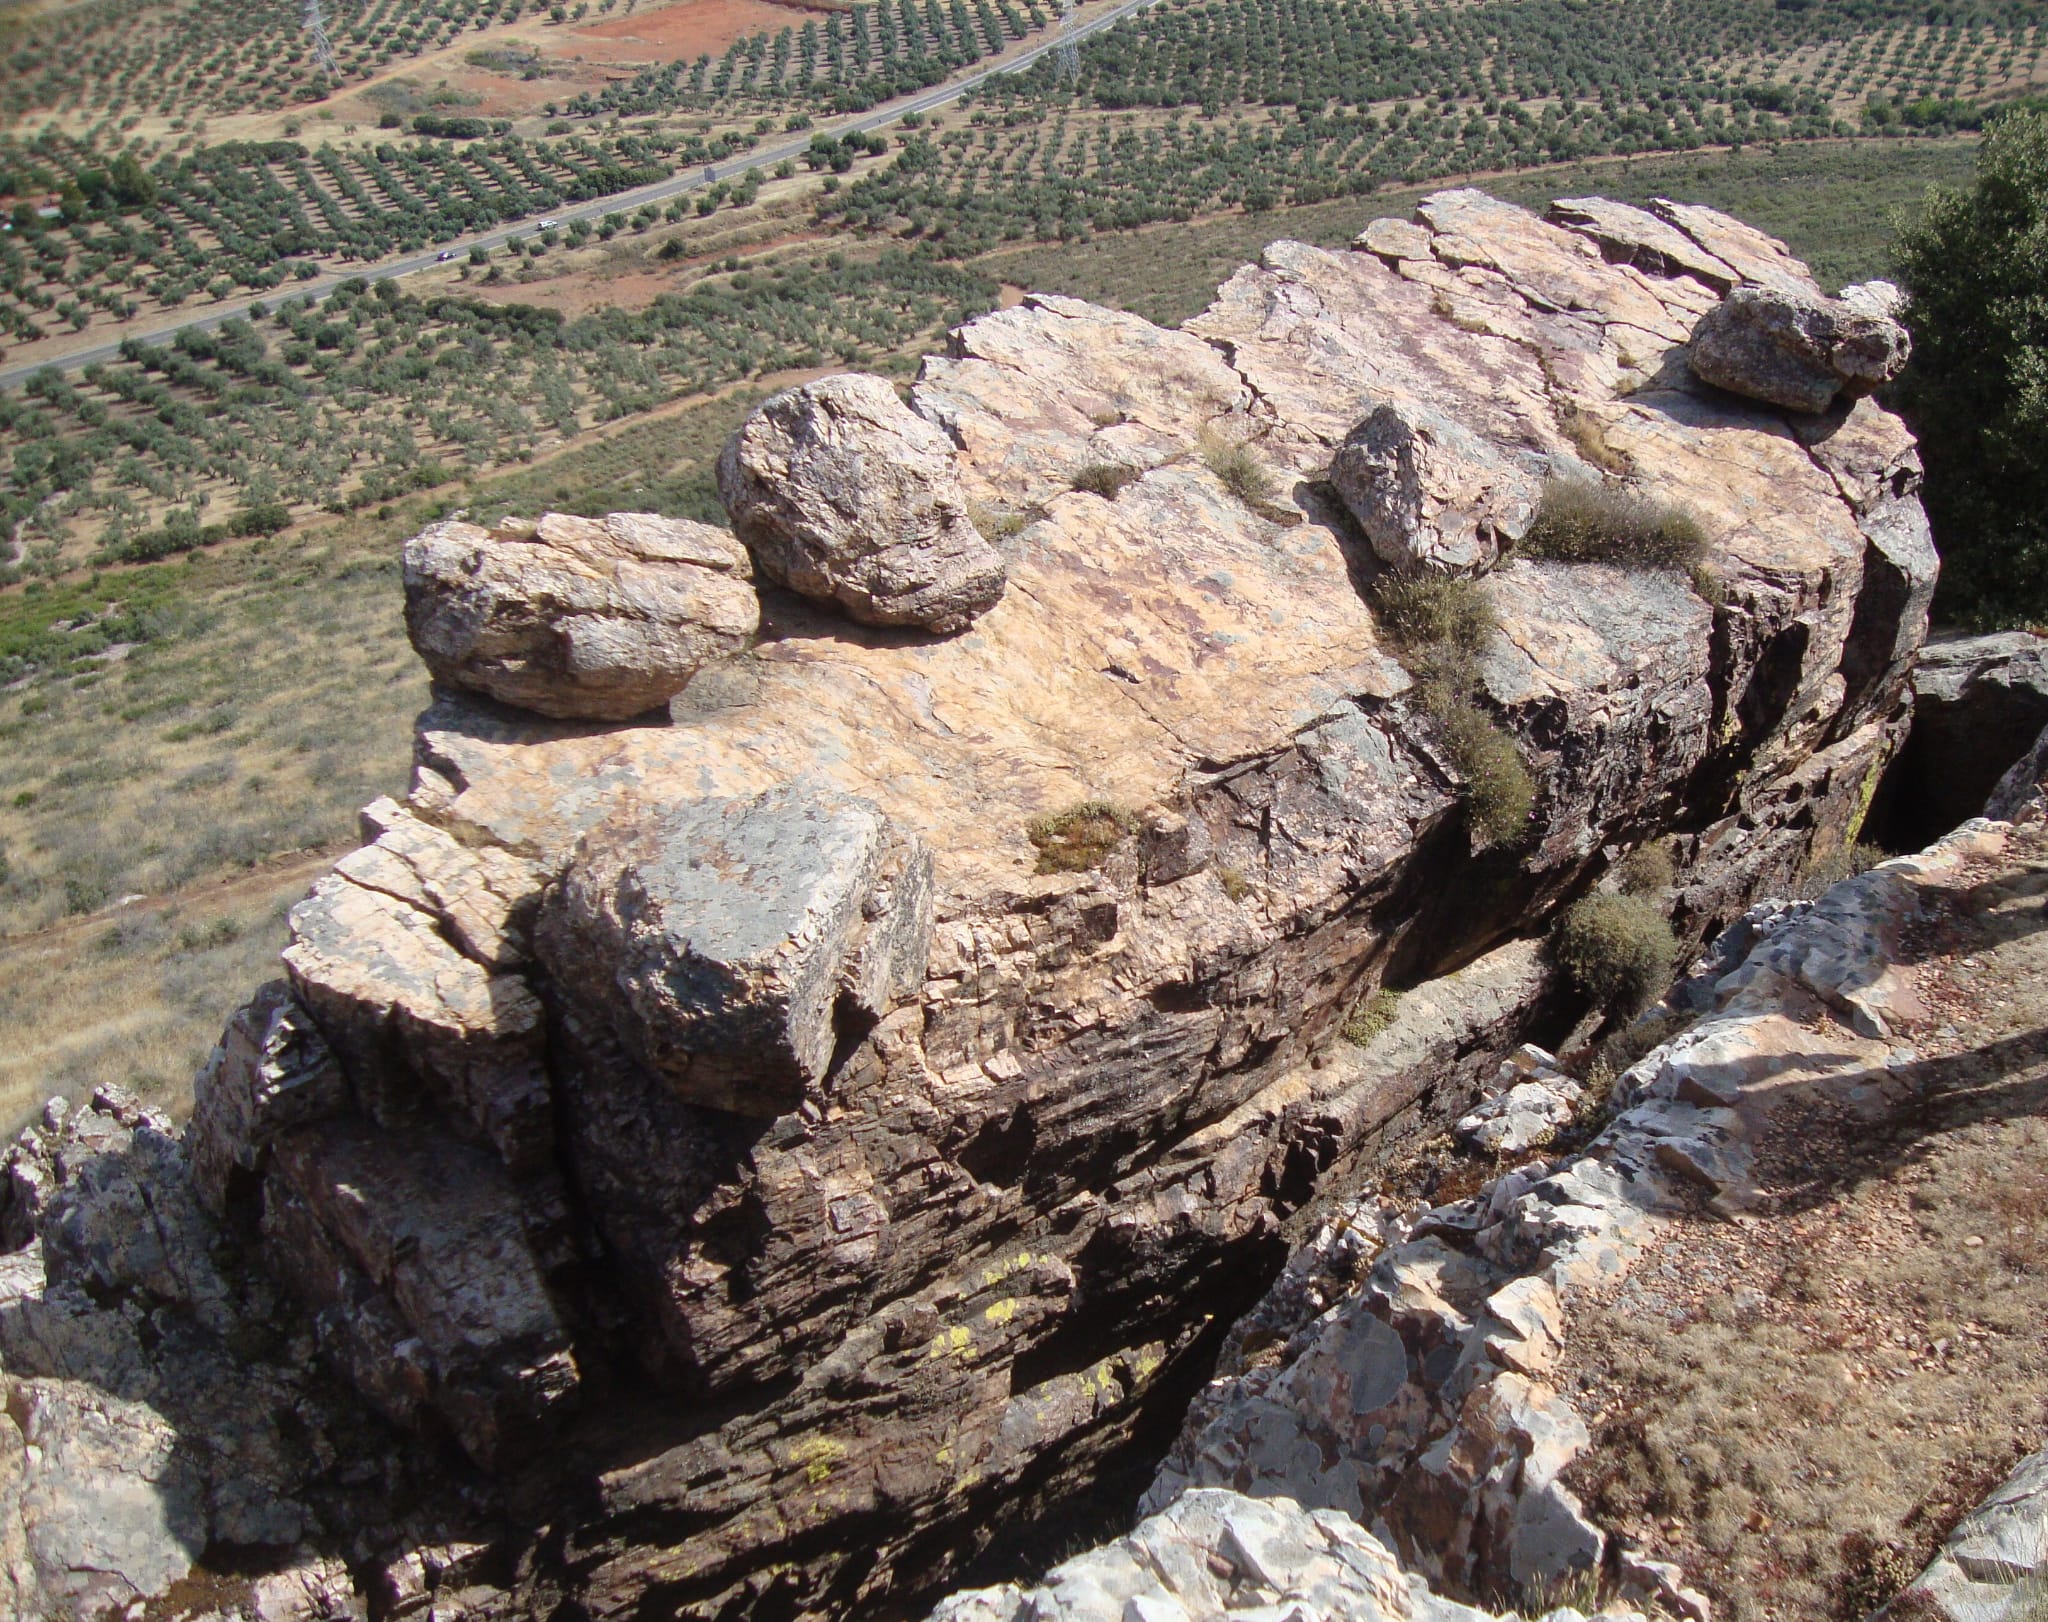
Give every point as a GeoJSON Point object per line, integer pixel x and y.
{"type": "Point", "coordinates": [681, 33]}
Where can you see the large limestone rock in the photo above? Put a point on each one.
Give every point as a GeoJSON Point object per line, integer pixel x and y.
{"type": "Point", "coordinates": [602, 618]}
{"type": "Point", "coordinates": [716, 935]}
{"type": "Point", "coordinates": [1796, 350]}
{"type": "Point", "coordinates": [800, 1345]}
{"type": "Point", "coordinates": [847, 496]}
{"type": "Point", "coordinates": [1432, 495]}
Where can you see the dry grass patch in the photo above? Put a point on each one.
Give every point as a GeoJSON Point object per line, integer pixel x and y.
{"type": "Point", "coordinates": [137, 997]}
{"type": "Point", "coordinates": [1104, 479]}
{"type": "Point", "coordinates": [1581, 522]}
{"type": "Point", "coordinates": [1080, 837]}
{"type": "Point", "coordinates": [1798, 1406]}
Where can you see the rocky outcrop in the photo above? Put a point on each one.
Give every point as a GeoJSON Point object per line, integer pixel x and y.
{"type": "Point", "coordinates": [716, 937]}
{"type": "Point", "coordinates": [1797, 350]}
{"type": "Point", "coordinates": [1994, 1566]}
{"type": "Point", "coordinates": [1979, 704]}
{"type": "Point", "coordinates": [763, 1222]}
{"type": "Point", "coordinates": [1210, 1556]}
{"type": "Point", "coordinates": [846, 495]}
{"type": "Point", "coordinates": [599, 618]}
{"type": "Point", "coordinates": [1412, 1390]}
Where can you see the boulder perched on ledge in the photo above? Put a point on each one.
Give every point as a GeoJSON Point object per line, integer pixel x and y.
{"type": "Point", "coordinates": [1432, 495]}
{"type": "Point", "coordinates": [847, 495]}
{"type": "Point", "coordinates": [577, 617]}
{"type": "Point", "coordinates": [1796, 350]}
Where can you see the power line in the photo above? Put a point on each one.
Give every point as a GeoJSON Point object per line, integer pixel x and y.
{"type": "Point", "coordinates": [1069, 52]}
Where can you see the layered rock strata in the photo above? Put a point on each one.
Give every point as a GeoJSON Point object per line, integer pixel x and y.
{"type": "Point", "coordinates": [731, 1141]}
{"type": "Point", "coordinates": [1411, 1386]}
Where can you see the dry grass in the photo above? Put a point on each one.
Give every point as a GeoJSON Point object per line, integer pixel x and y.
{"type": "Point", "coordinates": [1239, 472]}
{"type": "Point", "coordinates": [1080, 837]}
{"type": "Point", "coordinates": [138, 997]}
{"type": "Point", "coordinates": [280, 703]}
{"type": "Point", "coordinates": [1578, 522]}
{"type": "Point", "coordinates": [1799, 1406]}
{"type": "Point", "coordinates": [1104, 479]}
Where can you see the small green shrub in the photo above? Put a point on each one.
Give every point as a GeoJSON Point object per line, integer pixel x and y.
{"type": "Point", "coordinates": [1589, 439]}
{"type": "Point", "coordinates": [1104, 479]}
{"type": "Point", "coordinates": [1078, 838]}
{"type": "Point", "coordinates": [1578, 522]}
{"type": "Point", "coordinates": [997, 523]}
{"type": "Point", "coordinates": [1235, 884]}
{"type": "Point", "coordinates": [1372, 1016]}
{"type": "Point", "coordinates": [1617, 949]}
{"type": "Point", "coordinates": [1648, 869]}
{"type": "Point", "coordinates": [1239, 472]}
{"type": "Point", "coordinates": [1441, 625]}
{"type": "Point", "coordinates": [1708, 586]}
{"type": "Point", "coordinates": [1500, 793]}
{"type": "Point", "coordinates": [1434, 619]}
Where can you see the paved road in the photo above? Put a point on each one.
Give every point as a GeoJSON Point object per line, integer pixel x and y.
{"type": "Point", "coordinates": [620, 202]}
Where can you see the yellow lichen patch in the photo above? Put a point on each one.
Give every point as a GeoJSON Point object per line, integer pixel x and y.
{"type": "Point", "coordinates": [992, 1276]}
{"type": "Point", "coordinates": [955, 1342]}
{"type": "Point", "coordinates": [816, 1456]}
{"type": "Point", "coordinates": [1001, 1312]}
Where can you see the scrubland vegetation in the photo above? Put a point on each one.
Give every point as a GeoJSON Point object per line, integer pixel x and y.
{"type": "Point", "coordinates": [371, 394]}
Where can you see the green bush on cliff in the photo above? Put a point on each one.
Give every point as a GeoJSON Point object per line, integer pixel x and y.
{"type": "Point", "coordinates": [1581, 522]}
{"type": "Point", "coordinates": [1976, 392]}
{"type": "Point", "coordinates": [1078, 838]}
{"type": "Point", "coordinates": [1441, 626]}
{"type": "Point", "coordinates": [1239, 471]}
{"type": "Point", "coordinates": [1617, 949]}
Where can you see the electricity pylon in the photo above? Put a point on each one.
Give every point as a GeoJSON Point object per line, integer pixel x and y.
{"type": "Point", "coordinates": [323, 48]}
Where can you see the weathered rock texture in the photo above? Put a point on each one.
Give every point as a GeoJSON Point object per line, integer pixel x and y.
{"type": "Point", "coordinates": [1979, 703]}
{"type": "Point", "coordinates": [602, 618]}
{"type": "Point", "coordinates": [846, 495]}
{"type": "Point", "coordinates": [792, 1338]}
{"type": "Point", "coordinates": [1994, 1565]}
{"type": "Point", "coordinates": [1211, 1555]}
{"type": "Point", "coordinates": [1797, 350]}
{"type": "Point", "coordinates": [1412, 1386]}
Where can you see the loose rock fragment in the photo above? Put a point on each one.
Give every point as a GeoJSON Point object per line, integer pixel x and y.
{"type": "Point", "coordinates": [844, 494]}
{"type": "Point", "coordinates": [1431, 494]}
{"type": "Point", "coordinates": [577, 617]}
{"type": "Point", "coordinates": [1796, 350]}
